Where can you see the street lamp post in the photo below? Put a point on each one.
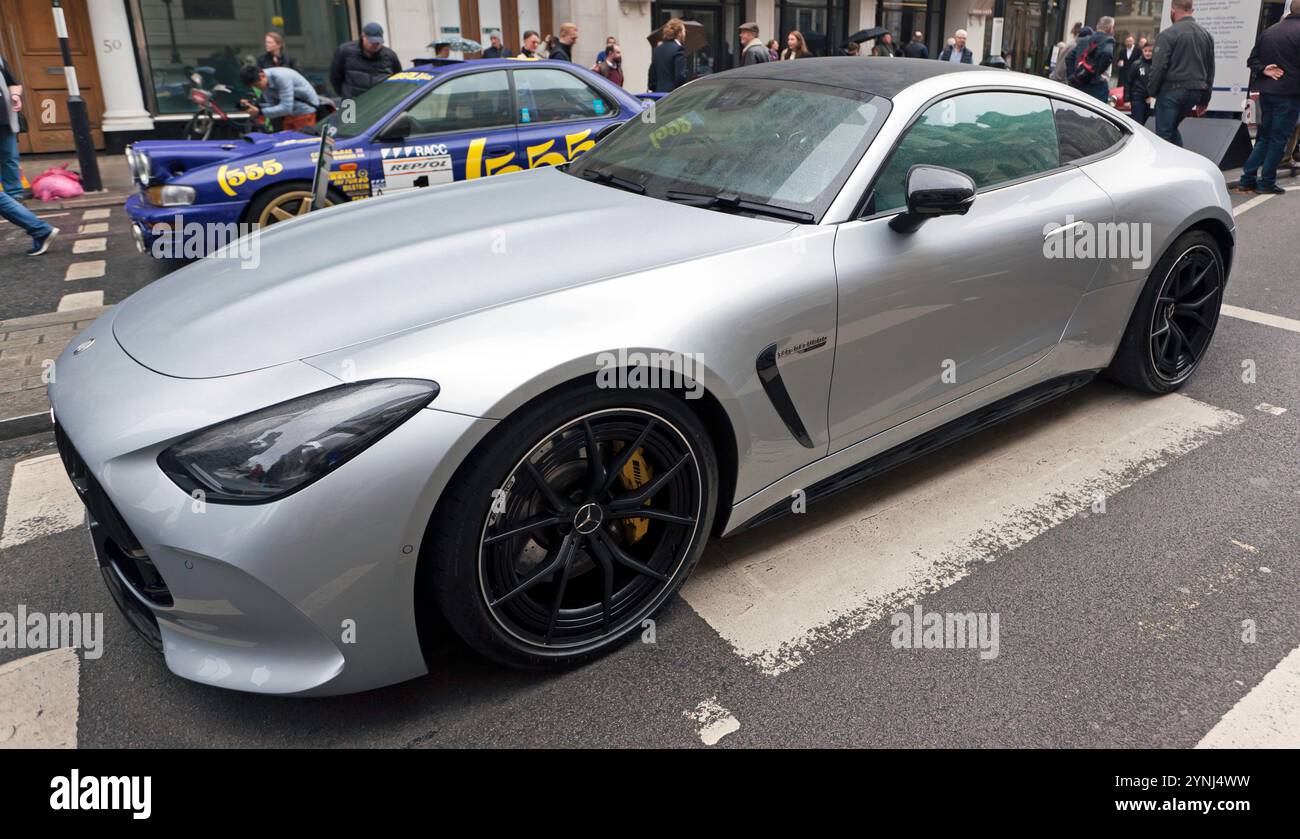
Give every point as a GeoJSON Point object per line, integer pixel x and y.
{"type": "Point", "coordinates": [78, 116]}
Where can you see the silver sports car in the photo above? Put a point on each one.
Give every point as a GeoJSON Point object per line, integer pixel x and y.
{"type": "Point", "coordinates": [519, 407]}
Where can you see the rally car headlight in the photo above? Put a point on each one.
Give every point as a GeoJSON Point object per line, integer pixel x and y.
{"type": "Point", "coordinates": [171, 195]}
{"type": "Point", "coordinates": [139, 164]}
{"type": "Point", "coordinates": [278, 450]}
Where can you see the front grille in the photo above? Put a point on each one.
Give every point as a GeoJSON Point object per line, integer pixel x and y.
{"type": "Point", "coordinates": [114, 541]}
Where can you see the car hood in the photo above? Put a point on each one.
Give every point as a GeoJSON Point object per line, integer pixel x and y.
{"type": "Point", "coordinates": [387, 265]}
{"type": "Point", "coordinates": [169, 159]}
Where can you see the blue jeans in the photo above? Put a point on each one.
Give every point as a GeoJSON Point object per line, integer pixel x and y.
{"type": "Point", "coordinates": [1172, 107]}
{"type": "Point", "coordinates": [1277, 119]}
{"type": "Point", "coordinates": [9, 174]}
{"type": "Point", "coordinates": [1141, 110]}
{"type": "Point", "coordinates": [1099, 89]}
{"type": "Point", "coordinates": [15, 212]}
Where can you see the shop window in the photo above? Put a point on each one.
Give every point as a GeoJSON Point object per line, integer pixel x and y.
{"type": "Point", "coordinates": [208, 9]}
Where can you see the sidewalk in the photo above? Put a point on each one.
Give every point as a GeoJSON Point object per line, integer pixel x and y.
{"type": "Point", "coordinates": [113, 173]}
{"type": "Point", "coordinates": [28, 347]}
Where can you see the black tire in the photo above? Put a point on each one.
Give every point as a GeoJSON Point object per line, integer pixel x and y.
{"type": "Point", "coordinates": [1175, 318]}
{"type": "Point", "coordinates": [497, 607]}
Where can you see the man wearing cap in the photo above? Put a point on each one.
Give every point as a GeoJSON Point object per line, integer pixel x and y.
{"type": "Point", "coordinates": [362, 64]}
{"type": "Point", "coordinates": [752, 49]}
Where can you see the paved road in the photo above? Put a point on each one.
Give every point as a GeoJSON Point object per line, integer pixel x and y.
{"type": "Point", "coordinates": [1121, 542]}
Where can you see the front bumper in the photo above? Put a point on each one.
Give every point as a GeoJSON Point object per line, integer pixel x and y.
{"type": "Point", "coordinates": [159, 231]}
{"type": "Point", "coordinates": [312, 594]}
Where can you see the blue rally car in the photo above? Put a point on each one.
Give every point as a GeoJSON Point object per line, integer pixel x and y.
{"type": "Point", "coordinates": [429, 125]}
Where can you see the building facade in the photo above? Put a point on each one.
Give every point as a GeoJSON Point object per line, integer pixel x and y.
{"type": "Point", "coordinates": [136, 59]}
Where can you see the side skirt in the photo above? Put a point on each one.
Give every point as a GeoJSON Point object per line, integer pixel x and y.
{"type": "Point", "coordinates": [929, 442]}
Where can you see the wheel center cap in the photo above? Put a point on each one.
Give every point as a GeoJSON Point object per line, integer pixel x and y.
{"type": "Point", "coordinates": [588, 517]}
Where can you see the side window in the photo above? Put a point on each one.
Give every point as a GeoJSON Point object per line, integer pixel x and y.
{"type": "Point", "coordinates": [1082, 132]}
{"type": "Point", "coordinates": [465, 103]}
{"type": "Point", "coordinates": [992, 137]}
{"type": "Point", "coordinates": [557, 95]}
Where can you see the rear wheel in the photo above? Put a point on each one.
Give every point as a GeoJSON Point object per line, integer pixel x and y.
{"type": "Point", "coordinates": [1175, 318]}
{"type": "Point", "coordinates": [199, 127]}
{"type": "Point", "coordinates": [551, 546]}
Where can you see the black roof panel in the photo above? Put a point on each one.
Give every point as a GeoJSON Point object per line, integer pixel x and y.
{"type": "Point", "coordinates": [879, 76]}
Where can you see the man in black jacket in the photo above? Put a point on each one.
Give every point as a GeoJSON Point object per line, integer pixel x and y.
{"type": "Point", "coordinates": [1135, 86]}
{"type": "Point", "coordinates": [916, 48]}
{"type": "Point", "coordinates": [668, 61]}
{"type": "Point", "coordinates": [1182, 71]}
{"type": "Point", "coordinates": [564, 42]}
{"type": "Point", "coordinates": [360, 65]}
{"type": "Point", "coordinates": [957, 52]}
{"type": "Point", "coordinates": [1276, 60]}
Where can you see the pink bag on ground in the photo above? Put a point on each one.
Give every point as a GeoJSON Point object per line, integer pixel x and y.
{"type": "Point", "coordinates": [57, 183]}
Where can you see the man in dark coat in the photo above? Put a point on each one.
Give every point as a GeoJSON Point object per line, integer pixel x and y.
{"type": "Point", "coordinates": [916, 48]}
{"type": "Point", "coordinates": [668, 61]}
{"type": "Point", "coordinates": [1276, 60]}
{"type": "Point", "coordinates": [360, 65]}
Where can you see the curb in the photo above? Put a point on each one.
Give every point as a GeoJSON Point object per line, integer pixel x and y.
{"type": "Point", "coordinates": [25, 425]}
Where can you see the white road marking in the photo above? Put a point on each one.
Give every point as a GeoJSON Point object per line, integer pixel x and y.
{"type": "Point", "coordinates": [715, 722]}
{"type": "Point", "coordinates": [1251, 204]}
{"type": "Point", "coordinates": [81, 300]}
{"type": "Point", "coordinates": [41, 501]}
{"type": "Point", "coordinates": [89, 270]}
{"type": "Point", "coordinates": [1270, 409]}
{"type": "Point", "coordinates": [38, 701]}
{"type": "Point", "coordinates": [96, 227]}
{"type": "Point", "coordinates": [1266, 718]}
{"type": "Point", "coordinates": [1261, 317]}
{"type": "Point", "coordinates": [808, 581]}
{"type": "Point", "coordinates": [90, 245]}
{"type": "Point", "coordinates": [91, 215]}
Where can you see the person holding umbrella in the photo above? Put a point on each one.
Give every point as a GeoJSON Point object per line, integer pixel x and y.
{"type": "Point", "coordinates": [668, 61]}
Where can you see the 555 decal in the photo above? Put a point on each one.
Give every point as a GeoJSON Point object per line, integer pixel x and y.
{"type": "Point", "coordinates": [538, 155]}
{"type": "Point", "coordinates": [232, 178]}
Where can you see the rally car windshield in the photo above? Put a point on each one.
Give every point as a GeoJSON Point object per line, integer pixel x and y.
{"type": "Point", "coordinates": [754, 142]}
{"type": "Point", "coordinates": [368, 109]}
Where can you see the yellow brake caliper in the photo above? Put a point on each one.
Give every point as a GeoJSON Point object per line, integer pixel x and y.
{"type": "Point", "coordinates": [635, 474]}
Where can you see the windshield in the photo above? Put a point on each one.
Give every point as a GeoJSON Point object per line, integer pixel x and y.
{"type": "Point", "coordinates": [372, 107]}
{"type": "Point", "coordinates": [764, 141]}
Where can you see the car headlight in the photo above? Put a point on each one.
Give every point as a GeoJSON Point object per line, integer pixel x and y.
{"type": "Point", "coordinates": [171, 195]}
{"type": "Point", "coordinates": [139, 164]}
{"type": "Point", "coordinates": [270, 453]}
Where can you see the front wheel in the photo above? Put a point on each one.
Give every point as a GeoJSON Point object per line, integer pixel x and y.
{"type": "Point", "coordinates": [571, 525]}
{"type": "Point", "coordinates": [1175, 318]}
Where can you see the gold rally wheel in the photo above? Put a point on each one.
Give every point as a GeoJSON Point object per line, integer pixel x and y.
{"type": "Point", "coordinates": [281, 203]}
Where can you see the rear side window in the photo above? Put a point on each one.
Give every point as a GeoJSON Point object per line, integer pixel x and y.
{"type": "Point", "coordinates": [557, 96]}
{"type": "Point", "coordinates": [992, 137]}
{"type": "Point", "coordinates": [1082, 132]}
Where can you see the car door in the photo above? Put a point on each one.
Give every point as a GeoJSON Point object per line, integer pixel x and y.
{"type": "Point", "coordinates": [463, 128]}
{"type": "Point", "coordinates": [929, 316]}
{"type": "Point", "coordinates": [559, 115]}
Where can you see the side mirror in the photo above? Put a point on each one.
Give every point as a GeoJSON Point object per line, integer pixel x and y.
{"type": "Point", "coordinates": [398, 129]}
{"type": "Point", "coordinates": [607, 130]}
{"type": "Point", "coordinates": [934, 191]}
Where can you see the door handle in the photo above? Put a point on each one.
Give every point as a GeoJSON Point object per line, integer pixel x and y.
{"type": "Point", "coordinates": [1060, 230]}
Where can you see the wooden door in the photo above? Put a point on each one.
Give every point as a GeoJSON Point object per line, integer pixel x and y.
{"type": "Point", "coordinates": [31, 48]}
{"type": "Point", "coordinates": [510, 25]}
{"type": "Point", "coordinates": [469, 25]}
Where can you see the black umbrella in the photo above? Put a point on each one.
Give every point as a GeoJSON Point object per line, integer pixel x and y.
{"type": "Point", "coordinates": [693, 42]}
{"type": "Point", "coordinates": [867, 35]}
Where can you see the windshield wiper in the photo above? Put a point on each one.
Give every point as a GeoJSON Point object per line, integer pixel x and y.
{"type": "Point", "coordinates": [732, 201]}
{"type": "Point", "coordinates": [602, 177]}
